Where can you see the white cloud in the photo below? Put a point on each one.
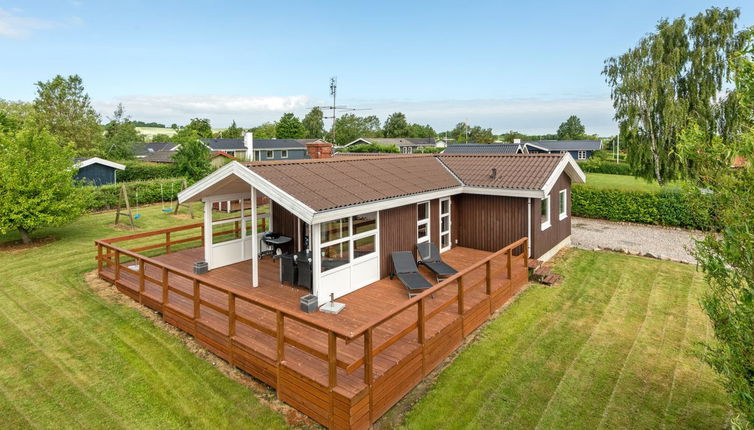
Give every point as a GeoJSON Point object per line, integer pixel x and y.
{"type": "Point", "coordinates": [527, 115]}
{"type": "Point", "coordinates": [15, 26]}
{"type": "Point", "coordinates": [220, 109]}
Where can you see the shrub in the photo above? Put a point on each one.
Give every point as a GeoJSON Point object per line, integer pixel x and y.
{"type": "Point", "coordinates": [143, 171]}
{"type": "Point", "coordinates": [610, 168]}
{"type": "Point", "coordinates": [374, 147]}
{"type": "Point", "coordinates": [672, 208]}
{"type": "Point", "coordinates": [106, 196]}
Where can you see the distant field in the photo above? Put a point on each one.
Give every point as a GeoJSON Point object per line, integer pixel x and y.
{"type": "Point", "coordinates": [152, 131]}
{"type": "Point", "coordinates": [611, 348]}
{"type": "Point", "coordinates": [602, 180]}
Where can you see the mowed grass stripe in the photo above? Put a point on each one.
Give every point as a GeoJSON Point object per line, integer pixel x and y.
{"type": "Point", "coordinates": [131, 369]}
{"type": "Point", "coordinates": [595, 369]}
{"type": "Point", "coordinates": [474, 379]}
{"type": "Point", "coordinates": [613, 314]}
{"type": "Point", "coordinates": [642, 390]}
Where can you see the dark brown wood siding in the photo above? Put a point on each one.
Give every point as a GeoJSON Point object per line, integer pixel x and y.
{"type": "Point", "coordinates": [544, 240]}
{"type": "Point", "coordinates": [397, 233]}
{"type": "Point", "coordinates": [489, 222]}
{"type": "Point", "coordinates": [284, 222]}
{"type": "Point", "coordinates": [434, 221]}
{"type": "Point", "coordinates": [455, 221]}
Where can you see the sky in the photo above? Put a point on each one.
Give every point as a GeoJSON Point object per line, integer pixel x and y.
{"type": "Point", "coordinates": [522, 66]}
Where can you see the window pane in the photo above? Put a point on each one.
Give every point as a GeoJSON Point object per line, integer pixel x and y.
{"type": "Point", "coordinates": [335, 255]}
{"type": "Point", "coordinates": [444, 224]}
{"type": "Point", "coordinates": [422, 211]}
{"type": "Point", "coordinates": [333, 230]}
{"type": "Point", "coordinates": [363, 246]}
{"type": "Point", "coordinates": [562, 202]}
{"type": "Point", "coordinates": [226, 231]}
{"type": "Point", "coordinates": [422, 231]}
{"type": "Point", "coordinates": [545, 205]}
{"type": "Point", "coordinates": [364, 223]}
{"type": "Point", "coordinates": [444, 206]}
{"type": "Point", "coordinates": [445, 240]}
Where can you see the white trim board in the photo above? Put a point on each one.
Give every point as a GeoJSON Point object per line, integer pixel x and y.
{"type": "Point", "coordinates": [102, 161]}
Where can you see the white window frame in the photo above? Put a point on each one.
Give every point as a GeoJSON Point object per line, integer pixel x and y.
{"type": "Point", "coordinates": [270, 155]}
{"type": "Point", "coordinates": [426, 221]}
{"type": "Point", "coordinates": [352, 238]}
{"type": "Point", "coordinates": [284, 153]}
{"type": "Point", "coordinates": [581, 155]}
{"type": "Point", "coordinates": [450, 225]}
{"type": "Point", "coordinates": [563, 197]}
{"type": "Point", "coordinates": [545, 202]}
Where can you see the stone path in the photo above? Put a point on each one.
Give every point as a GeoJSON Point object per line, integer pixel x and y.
{"type": "Point", "coordinates": [658, 242]}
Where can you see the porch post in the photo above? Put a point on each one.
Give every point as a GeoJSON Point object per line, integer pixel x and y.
{"type": "Point", "coordinates": [314, 241]}
{"type": "Point", "coordinates": [254, 240]}
{"type": "Point", "coordinates": [208, 233]}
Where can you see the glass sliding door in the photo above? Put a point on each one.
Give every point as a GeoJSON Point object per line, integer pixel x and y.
{"type": "Point", "coordinates": [445, 239]}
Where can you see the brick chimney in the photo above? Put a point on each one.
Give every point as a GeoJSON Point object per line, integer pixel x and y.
{"type": "Point", "coordinates": [319, 149]}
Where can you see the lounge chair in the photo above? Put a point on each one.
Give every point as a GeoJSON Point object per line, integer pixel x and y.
{"type": "Point", "coordinates": [404, 267]}
{"type": "Point", "coordinates": [429, 256]}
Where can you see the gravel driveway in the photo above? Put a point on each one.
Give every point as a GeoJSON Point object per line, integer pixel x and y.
{"type": "Point", "coordinates": [660, 242]}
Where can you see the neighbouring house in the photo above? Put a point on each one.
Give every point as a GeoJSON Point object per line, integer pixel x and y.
{"type": "Point", "coordinates": [142, 150]}
{"type": "Point", "coordinates": [97, 171]}
{"type": "Point", "coordinates": [579, 149]}
{"type": "Point", "coordinates": [159, 157]}
{"type": "Point", "coordinates": [485, 148]}
{"type": "Point", "coordinates": [220, 158]}
{"type": "Point", "coordinates": [268, 149]}
{"type": "Point", "coordinates": [338, 221]}
{"type": "Point", "coordinates": [407, 145]}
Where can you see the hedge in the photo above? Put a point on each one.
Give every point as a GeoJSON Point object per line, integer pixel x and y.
{"type": "Point", "coordinates": [106, 196]}
{"type": "Point", "coordinates": [143, 171]}
{"type": "Point", "coordinates": [606, 167]}
{"type": "Point", "coordinates": [672, 208]}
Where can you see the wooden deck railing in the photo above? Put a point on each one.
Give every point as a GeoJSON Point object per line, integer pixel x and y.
{"type": "Point", "coordinates": [113, 256]}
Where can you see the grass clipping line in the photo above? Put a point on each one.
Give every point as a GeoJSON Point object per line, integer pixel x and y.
{"type": "Point", "coordinates": [264, 393]}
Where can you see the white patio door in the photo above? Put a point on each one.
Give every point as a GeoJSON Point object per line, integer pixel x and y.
{"type": "Point", "coordinates": [445, 221]}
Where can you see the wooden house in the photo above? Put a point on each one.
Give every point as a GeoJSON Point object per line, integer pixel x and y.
{"type": "Point", "coordinates": [97, 171]}
{"type": "Point", "coordinates": [488, 214]}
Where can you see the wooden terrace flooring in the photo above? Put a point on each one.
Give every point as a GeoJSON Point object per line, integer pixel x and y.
{"type": "Point", "coordinates": [445, 330]}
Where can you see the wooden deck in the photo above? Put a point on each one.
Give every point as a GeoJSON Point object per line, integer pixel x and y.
{"type": "Point", "coordinates": [345, 370]}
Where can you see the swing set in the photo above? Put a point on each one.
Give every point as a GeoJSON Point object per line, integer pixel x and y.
{"type": "Point", "coordinates": [169, 209]}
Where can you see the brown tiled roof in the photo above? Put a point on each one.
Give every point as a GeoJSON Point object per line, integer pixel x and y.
{"type": "Point", "coordinates": [331, 183]}
{"type": "Point", "coordinates": [523, 171]}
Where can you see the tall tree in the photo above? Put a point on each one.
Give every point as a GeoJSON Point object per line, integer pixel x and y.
{"type": "Point", "coordinates": [264, 131]}
{"type": "Point", "coordinates": [200, 127]}
{"type": "Point", "coordinates": [289, 127]}
{"type": "Point", "coordinates": [63, 107]}
{"type": "Point", "coordinates": [726, 256]}
{"type": "Point", "coordinates": [478, 134]}
{"type": "Point", "coordinates": [350, 127]}
{"type": "Point", "coordinates": [314, 124]}
{"type": "Point", "coordinates": [192, 157]}
{"type": "Point", "coordinates": [418, 130]}
{"type": "Point", "coordinates": [571, 129]}
{"type": "Point", "coordinates": [120, 136]}
{"type": "Point", "coordinates": [232, 132]}
{"type": "Point", "coordinates": [396, 125]}
{"type": "Point", "coordinates": [670, 77]}
{"type": "Point", "coordinates": [512, 135]}
{"type": "Point", "coordinates": [36, 182]}
{"type": "Point", "coordinates": [13, 115]}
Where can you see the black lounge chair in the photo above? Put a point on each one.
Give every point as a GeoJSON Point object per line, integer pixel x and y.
{"type": "Point", "coordinates": [429, 256]}
{"type": "Point", "coordinates": [404, 267]}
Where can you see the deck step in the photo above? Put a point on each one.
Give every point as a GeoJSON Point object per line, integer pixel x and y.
{"type": "Point", "coordinates": [542, 271]}
{"type": "Point", "coordinates": [552, 279]}
{"type": "Point", "coordinates": [534, 263]}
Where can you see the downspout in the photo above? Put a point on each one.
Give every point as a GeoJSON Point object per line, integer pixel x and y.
{"type": "Point", "coordinates": [528, 228]}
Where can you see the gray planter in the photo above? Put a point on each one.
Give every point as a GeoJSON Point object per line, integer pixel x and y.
{"type": "Point", "coordinates": [309, 303]}
{"type": "Point", "coordinates": [201, 267]}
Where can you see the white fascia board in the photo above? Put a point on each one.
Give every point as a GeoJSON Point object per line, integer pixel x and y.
{"type": "Point", "coordinates": [226, 197]}
{"type": "Point", "coordinates": [97, 160]}
{"type": "Point", "coordinates": [567, 164]}
{"type": "Point", "coordinates": [380, 205]}
{"type": "Point", "coordinates": [234, 168]}
{"type": "Point", "coordinates": [537, 146]}
{"type": "Point", "coordinates": [505, 192]}
{"type": "Point", "coordinates": [354, 142]}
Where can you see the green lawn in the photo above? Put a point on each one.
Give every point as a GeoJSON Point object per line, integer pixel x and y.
{"type": "Point", "coordinates": [613, 347]}
{"type": "Point", "coordinates": [69, 359]}
{"type": "Point", "coordinates": [602, 180]}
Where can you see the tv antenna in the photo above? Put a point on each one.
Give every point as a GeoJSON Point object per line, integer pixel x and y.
{"type": "Point", "coordinates": [334, 108]}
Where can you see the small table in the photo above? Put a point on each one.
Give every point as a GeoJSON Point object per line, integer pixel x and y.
{"type": "Point", "coordinates": [275, 243]}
